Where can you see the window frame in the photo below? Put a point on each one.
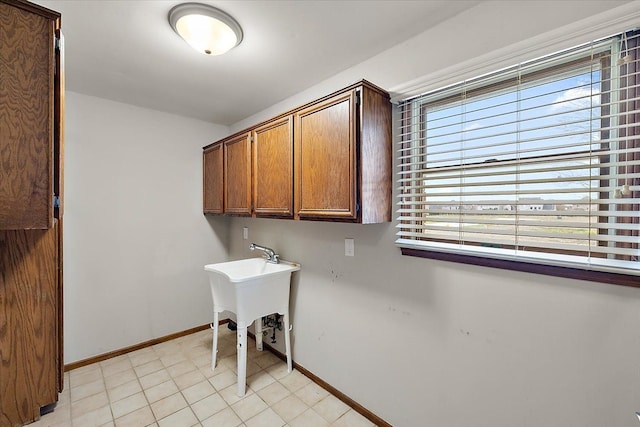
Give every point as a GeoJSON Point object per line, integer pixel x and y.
{"type": "Point", "coordinates": [540, 265]}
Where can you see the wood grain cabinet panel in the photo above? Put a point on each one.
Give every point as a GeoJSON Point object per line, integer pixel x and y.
{"type": "Point", "coordinates": [343, 157]}
{"type": "Point", "coordinates": [339, 165]}
{"type": "Point", "coordinates": [273, 168]}
{"type": "Point", "coordinates": [29, 328]}
{"type": "Point", "coordinates": [213, 184]}
{"type": "Point", "coordinates": [237, 175]}
{"type": "Point", "coordinates": [325, 159]}
{"type": "Point", "coordinates": [31, 157]}
{"type": "Point", "coordinates": [27, 60]}
{"type": "Point", "coordinates": [374, 156]}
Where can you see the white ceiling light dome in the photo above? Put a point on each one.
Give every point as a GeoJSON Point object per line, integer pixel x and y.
{"type": "Point", "coordinates": [207, 29]}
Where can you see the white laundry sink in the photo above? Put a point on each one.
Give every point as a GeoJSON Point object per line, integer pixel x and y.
{"type": "Point", "coordinates": [251, 288]}
{"type": "Point", "coordinates": [251, 268]}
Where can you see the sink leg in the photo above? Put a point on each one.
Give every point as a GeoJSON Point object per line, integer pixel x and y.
{"type": "Point", "coordinates": [287, 341]}
{"type": "Point", "coordinates": [242, 360]}
{"type": "Point", "coordinates": [214, 350]}
{"type": "Point", "coordinates": [259, 334]}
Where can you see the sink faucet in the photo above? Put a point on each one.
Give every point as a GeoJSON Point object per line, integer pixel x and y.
{"type": "Point", "coordinates": [269, 253]}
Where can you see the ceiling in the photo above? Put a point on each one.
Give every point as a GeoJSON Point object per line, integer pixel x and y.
{"type": "Point", "coordinates": [126, 51]}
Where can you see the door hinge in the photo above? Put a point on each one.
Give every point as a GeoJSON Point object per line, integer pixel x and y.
{"type": "Point", "coordinates": [56, 43]}
{"type": "Point", "coordinates": [56, 201]}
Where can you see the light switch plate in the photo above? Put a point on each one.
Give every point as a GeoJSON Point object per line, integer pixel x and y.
{"type": "Point", "coordinates": [245, 233]}
{"type": "Point", "coordinates": [349, 247]}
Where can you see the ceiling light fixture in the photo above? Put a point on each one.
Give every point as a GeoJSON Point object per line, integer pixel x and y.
{"type": "Point", "coordinates": [208, 30]}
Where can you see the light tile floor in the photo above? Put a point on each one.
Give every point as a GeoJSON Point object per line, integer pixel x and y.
{"type": "Point", "coordinates": [171, 384]}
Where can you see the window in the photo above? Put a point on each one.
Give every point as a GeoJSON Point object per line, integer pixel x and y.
{"type": "Point", "coordinates": [535, 167]}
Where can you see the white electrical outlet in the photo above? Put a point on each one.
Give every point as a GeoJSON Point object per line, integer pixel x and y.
{"type": "Point", "coordinates": [349, 247]}
{"type": "Point", "coordinates": [245, 233]}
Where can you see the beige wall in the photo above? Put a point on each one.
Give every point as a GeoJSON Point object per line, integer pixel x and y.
{"type": "Point", "coordinates": [135, 239]}
{"type": "Point", "coordinates": [432, 343]}
{"type": "Point", "coordinates": [418, 342]}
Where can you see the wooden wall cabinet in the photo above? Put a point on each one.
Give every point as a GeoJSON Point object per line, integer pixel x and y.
{"type": "Point", "coordinates": [213, 185]}
{"type": "Point", "coordinates": [343, 157]}
{"type": "Point", "coordinates": [273, 168]}
{"type": "Point", "coordinates": [31, 93]}
{"type": "Point", "coordinates": [327, 160]}
{"type": "Point", "coordinates": [237, 175]}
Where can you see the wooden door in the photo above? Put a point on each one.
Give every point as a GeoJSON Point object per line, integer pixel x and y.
{"type": "Point", "coordinates": [27, 60]}
{"type": "Point", "coordinates": [213, 185]}
{"type": "Point", "coordinates": [273, 168]}
{"type": "Point", "coordinates": [325, 159]}
{"type": "Point", "coordinates": [237, 175]}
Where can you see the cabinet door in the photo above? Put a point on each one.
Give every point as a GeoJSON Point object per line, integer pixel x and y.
{"type": "Point", "coordinates": [213, 170]}
{"type": "Point", "coordinates": [237, 175]}
{"type": "Point", "coordinates": [29, 310]}
{"type": "Point", "coordinates": [325, 159]}
{"type": "Point", "coordinates": [26, 117]}
{"type": "Point", "coordinates": [273, 168]}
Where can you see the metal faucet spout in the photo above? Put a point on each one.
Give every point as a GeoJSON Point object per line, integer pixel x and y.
{"type": "Point", "coordinates": [269, 253]}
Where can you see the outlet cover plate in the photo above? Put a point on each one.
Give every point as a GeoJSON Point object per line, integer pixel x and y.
{"type": "Point", "coordinates": [349, 247]}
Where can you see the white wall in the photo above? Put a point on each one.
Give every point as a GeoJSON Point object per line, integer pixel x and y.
{"type": "Point", "coordinates": [135, 238]}
{"type": "Point", "coordinates": [430, 343]}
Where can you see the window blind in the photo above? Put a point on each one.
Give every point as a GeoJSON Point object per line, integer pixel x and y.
{"type": "Point", "coordinates": [539, 162]}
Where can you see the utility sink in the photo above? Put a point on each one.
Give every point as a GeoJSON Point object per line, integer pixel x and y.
{"type": "Point", "coordinates": [251, 288]}
{"type": "Point", "coordinates": [252, 268]}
